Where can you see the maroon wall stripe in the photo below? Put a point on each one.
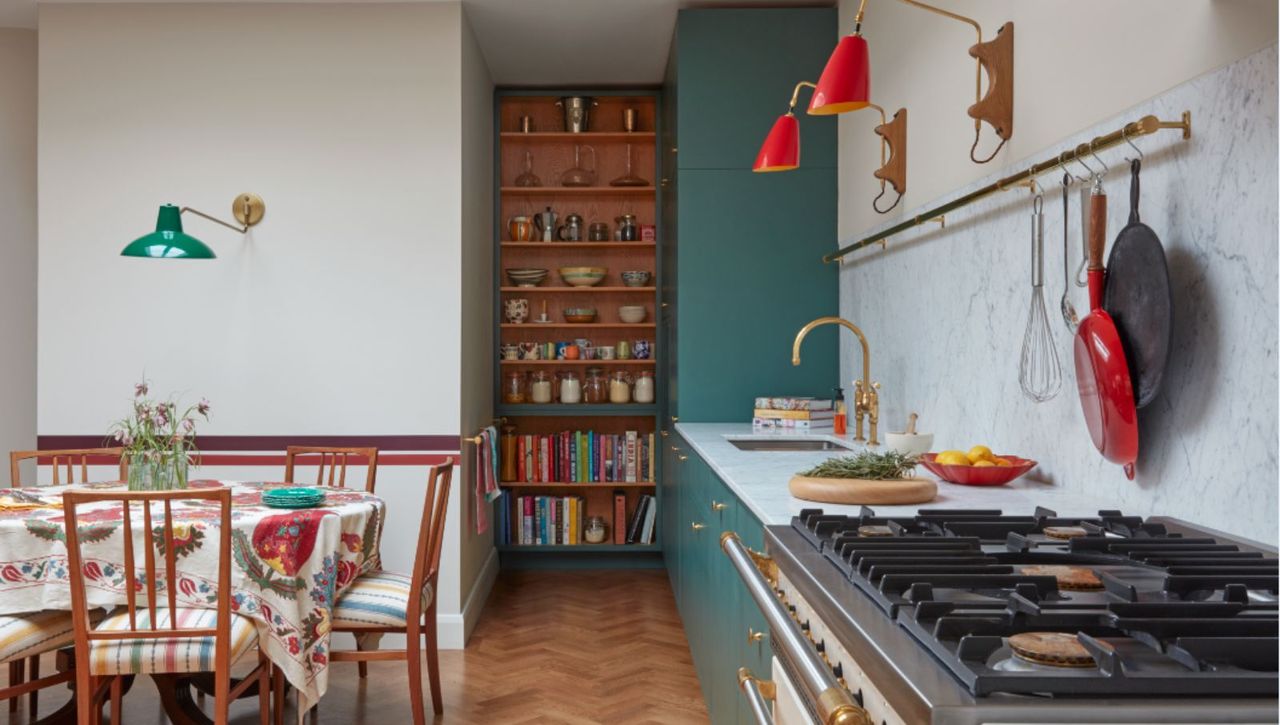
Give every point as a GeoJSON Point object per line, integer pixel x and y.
{"type": "Point", "coordinates": [223, 459]}
{"type": "Point", "coordinates": [278, 443]}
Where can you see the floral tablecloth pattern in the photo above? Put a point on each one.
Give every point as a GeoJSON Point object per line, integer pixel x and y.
{"type": "Point", "coordinates": [288, 566]}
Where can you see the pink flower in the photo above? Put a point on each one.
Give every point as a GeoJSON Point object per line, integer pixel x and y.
{"type": "Point", "coordinates": [188, 425]}
{"type": "Point", "coordinates": [140, 389]}
{"type": "Point", "coordinates": [203, 407]}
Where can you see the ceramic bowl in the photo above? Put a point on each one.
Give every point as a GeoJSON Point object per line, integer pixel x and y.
{"type": "Point", "coordinates": [526, 276]}
{"type": "Point", "coordinates": [582, 276]}
{"type": "Point", "coordinates": [908, 444]}
{"type": "Point", "coordinates": [635, 278]}
{"type": "Point", "coordinates": [631, 314]}
{"type": "Point", "coordinates": [978, 475]}
{"type": "Point", "coordinates": [580, 314]}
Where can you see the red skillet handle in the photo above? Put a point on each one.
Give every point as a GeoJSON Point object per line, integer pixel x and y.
{"type": "Point", "coordinates": [1097, 245]}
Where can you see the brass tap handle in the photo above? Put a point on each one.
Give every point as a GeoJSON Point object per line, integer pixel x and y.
{"type": "Point", "coordinates": [859, 410]}
{"type": "Point", "coordinates": [873, 412]}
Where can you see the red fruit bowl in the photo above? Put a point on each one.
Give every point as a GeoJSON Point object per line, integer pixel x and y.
{"type": "Point", "coordinates": [978, 475]}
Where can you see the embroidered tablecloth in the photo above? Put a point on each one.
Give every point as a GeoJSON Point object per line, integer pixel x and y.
{"type": "Point", "coordinates": [288, 566]}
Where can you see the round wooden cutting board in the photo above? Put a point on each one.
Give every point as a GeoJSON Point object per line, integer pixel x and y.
{"type": "Point", "coordinates": [863, 491]}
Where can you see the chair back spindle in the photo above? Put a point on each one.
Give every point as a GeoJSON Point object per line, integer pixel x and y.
{"type": "Point", "coordinates": [65, 460]}
{"type": "Point", "coordinates": [333, 461]}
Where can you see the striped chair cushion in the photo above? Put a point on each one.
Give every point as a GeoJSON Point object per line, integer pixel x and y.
{"type": "Point", "coordinates": [378, 598]}
{"type": "Point", "coordinates": [168, 654]}
{"type": "Point", "coordinates": [23, 635]}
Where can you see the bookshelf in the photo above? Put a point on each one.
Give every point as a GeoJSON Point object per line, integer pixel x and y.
{"type": "Point", "coordinates": [549, 150]}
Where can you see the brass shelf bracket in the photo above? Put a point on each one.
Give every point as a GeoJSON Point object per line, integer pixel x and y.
{"type": "Point", "coordinates": [1142, 127]}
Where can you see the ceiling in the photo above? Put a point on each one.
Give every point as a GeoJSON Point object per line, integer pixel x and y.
{"type": "Point", "coordinates": [543, 42]}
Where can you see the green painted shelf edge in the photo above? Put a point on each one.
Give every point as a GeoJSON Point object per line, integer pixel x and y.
{"type": "Point", "coordinates": [561, 409]}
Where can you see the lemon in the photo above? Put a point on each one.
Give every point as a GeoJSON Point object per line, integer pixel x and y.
{"type": "Point", "coordinates": [952, 458]}
{"type": "Point", "coordinates": [1001, 461]}
{"type": "Point", "coordinates": [984, 464]}
{"type": "Point", "coordinates": [979, 453]}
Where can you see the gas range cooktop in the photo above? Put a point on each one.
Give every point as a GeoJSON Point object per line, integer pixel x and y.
{"type": "Point", "coordinates": [1060, 606]}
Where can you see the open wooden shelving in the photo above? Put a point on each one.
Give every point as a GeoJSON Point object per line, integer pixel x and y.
{"type": "Point", "coordinates": [547, 152]}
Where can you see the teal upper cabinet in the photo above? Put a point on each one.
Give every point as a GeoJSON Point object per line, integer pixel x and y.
{"type": "Point", "coordinates": [742, 251]}
{"type": "Point", "coordinates": [737, 68]}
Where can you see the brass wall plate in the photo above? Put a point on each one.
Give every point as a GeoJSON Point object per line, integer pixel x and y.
{"type": "Point", "coordinates": [248, 209]}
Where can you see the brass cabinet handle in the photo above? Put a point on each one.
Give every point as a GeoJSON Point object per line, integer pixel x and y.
{"type": "Point", "coordinates": [675, 418]}
{"type": "Point", "coordinates": [758, 692]}
{"type": "Point", "coordinates": [665, 434]}
{"type": "Point", "coordinates": [697, 526]}
{"type": "Point", "coordinates": [718, 506]}
{"type": "Point", "coordinates": [753, 636]}
{"type": "Point", "coordinates": [683, 458]}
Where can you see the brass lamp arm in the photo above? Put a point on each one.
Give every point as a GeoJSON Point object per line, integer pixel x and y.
{"type": "Point", "coordinates": [214, 219]}
{"type": "Point", "coordinates": [247, 208]}
{"type": "Point", "coordinates": [977, 90]}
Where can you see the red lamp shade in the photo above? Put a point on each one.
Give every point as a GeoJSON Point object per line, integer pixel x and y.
{"type": "Point", "coordinates": [781, 148]}
{"type": "Point", "coordinates": [845, 84]}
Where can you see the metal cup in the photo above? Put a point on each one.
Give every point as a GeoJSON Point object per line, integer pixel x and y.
{"type": "Point", "coordinates": [629, 119]}
{"type": "Point", "coordinates": [526, 124]}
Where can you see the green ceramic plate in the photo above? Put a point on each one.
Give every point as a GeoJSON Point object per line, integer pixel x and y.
{"type": "Point", "coordinates": [293, 498]}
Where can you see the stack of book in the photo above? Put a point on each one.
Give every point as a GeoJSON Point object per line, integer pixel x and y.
{"type": "Point", "coordinates": [807, 414]}
{"type": "Point", "coordinates": [585, 457]}
{"type": "Point", "coordinates": [640, 529]}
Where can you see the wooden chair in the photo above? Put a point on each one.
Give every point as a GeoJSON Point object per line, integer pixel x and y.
{"type": "Point", "coordinates": [158, 640]}
{"type": "Point", "coordinates": [66, 458]}
{"type": "Point", "coordinates": [23, 638]}
{"type": "Point", "coordinates": [335, 459]}
{"type": "Point", "coordinates": [384, 602]}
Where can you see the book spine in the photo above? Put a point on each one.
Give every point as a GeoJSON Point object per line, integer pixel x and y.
{"type": "Point", "coordinates": [631, 456]}
{"type": "Point", "coordinates": [795, 414]}
{"type": "Point", "coordinates": [619, 517]}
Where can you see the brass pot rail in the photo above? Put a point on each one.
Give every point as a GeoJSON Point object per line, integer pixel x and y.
{"type": "Point", "coordinates": [834, 703]}
{"type": "Point", "coordinates": [476, 439]}
{"type": "Point", "coordinates": [1142, 127]}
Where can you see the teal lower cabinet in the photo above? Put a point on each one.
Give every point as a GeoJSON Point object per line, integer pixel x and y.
{"type": "Point", "coordinates": [720, 620]}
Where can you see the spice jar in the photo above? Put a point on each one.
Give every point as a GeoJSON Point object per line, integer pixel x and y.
{"type": "Point", "coordinates": [619, 387]}
{"type": "Point", "coordinates": [570, 387]}
{"type": "Point", "coordinates": [596, 530]}
{"type": "Point", "coordinates": [627, 231]}
{"type": "Point", "coordinates": [513, 387]}
{"type": "Point", "coordinates": [595, 388]}
{"type": "Point", "coordinates": [643, 389]}
{"type": "Point", "coordinates": [540, 387]}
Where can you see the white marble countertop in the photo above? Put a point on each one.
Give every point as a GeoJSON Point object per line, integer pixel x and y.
{"type": "Point", "coordinates": [760, 478]}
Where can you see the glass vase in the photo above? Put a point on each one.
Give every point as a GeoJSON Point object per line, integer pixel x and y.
{"type": "Point", "coordinates": [157, 471]}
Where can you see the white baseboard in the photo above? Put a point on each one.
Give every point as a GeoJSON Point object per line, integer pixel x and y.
{"type": "Point", "coordinates": [453, 630]}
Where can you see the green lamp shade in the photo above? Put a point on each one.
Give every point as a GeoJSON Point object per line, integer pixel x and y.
{"type": "Point", "coordinates": [168, 240]}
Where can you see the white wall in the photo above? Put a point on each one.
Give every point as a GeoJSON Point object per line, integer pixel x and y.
{"type": "Point", "coordinates": [478, 561]}
{"type": "Point", "coordinates": [17, 239]}
{"type": "Point", "coordinates": [1076, 62]}
{"type": "Point", "coordinates": [340, 314]}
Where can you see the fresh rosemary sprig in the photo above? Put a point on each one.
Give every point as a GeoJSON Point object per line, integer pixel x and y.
{"type": "Point", "coordinates": [874, 466]}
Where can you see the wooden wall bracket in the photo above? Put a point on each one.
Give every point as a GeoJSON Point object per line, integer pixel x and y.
{"type": "Point", "coordinates": [894, 170]}
{"type": "Point", "coordinates": [996, 107]}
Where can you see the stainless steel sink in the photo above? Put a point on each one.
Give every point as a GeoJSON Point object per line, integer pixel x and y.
{"type": "Point", "coordinates": [785, 444]}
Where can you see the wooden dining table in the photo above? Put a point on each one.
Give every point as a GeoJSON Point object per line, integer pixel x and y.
{"type": "Point", "coordinates": [288, 568]}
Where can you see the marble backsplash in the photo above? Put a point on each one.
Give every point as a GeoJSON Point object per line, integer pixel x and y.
{"type": "Point", "coordinates": [945, 310]}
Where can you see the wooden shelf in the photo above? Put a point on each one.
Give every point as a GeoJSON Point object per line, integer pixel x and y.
{"type": "Point", "coordinates": [580, 326]}
{"type": "Point", "coordinates": [578, 245]}
{"type": "Point", "coordinates": [535, 548]}
{"type": "Point", "coordinates": [642, 136]}
{"type": "Point", "coordinates": [578, 190]}
{"type": "Point", "coordinates": [561, 410]}
{"type": "Point", "coordinates": [578, 486]}
{"type": "Point", "coordinates": [557, 290]}
{"type": "Point", "coordinates": [603, 363]}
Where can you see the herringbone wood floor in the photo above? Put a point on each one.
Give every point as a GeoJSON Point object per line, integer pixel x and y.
{"type": "Point", "coordinates": [551, 647]}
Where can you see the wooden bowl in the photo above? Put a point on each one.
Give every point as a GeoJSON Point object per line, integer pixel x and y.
{"type": "Point", "coordinates": [580, 315]}
{"type": "Point", "coordinates": [978, 475]}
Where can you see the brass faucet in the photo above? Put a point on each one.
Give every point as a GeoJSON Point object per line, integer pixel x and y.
{"type": "Point", "coordinates": [866, 395]}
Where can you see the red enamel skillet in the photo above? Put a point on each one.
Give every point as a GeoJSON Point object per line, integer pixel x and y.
{"type": "Point", "coordinates": [1102, 372]}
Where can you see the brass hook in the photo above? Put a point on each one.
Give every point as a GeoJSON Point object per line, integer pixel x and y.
{"type": "Point", "coordinates": [1124, 134]}
{"type": "Point", "coordinates": [1105, 169]}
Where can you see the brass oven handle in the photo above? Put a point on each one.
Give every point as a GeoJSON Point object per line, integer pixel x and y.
{"type": "Point", "coordinates": [835, 705]}
{"type": "Point", "coordinates": [759, 693]}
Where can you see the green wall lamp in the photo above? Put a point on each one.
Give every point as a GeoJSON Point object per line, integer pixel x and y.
{"type": "Point", "coordinates": [168, 241]}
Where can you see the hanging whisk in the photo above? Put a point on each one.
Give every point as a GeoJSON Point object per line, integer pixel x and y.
{"type": "Point", "coordinates": [1038, 372]}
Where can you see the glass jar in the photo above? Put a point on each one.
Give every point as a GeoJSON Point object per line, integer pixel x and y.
{"type": "Point", "coordinates": [514, 387]}
{"type": "Point", "coordinates": [627, 231]}
{"type": "Point", "coordinates": [570, 387]}
{"type": "Point", "coordinates": [619, 387]}
{"type": "Point", "coordinates": [596, 530]}
{"type": "Point", "coordinates": [643, 390]}
{"type": "Point", "coordinates": [595, 388]}
{"type": "Point", "coordinates": [540, 387]}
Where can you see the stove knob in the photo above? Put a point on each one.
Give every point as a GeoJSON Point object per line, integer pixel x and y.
{"type": "Point", "coordinates": [821, 646]}
{"type": "Point", "coordinates": [838, 670]}
{"type": "Point", "coordinates": [792, 607]}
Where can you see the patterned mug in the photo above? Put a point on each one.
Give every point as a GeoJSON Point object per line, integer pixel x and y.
{"type": "Point", "coordinates": [605, 352]}
{"type": "Point", "coordinates": [641, 349]}
{"type": "Point", "coordinates": [516, 310]}
{"type": "Point", "coordinates": [510, 351]}
{"type": "Point", "coordinates": [530, 350]}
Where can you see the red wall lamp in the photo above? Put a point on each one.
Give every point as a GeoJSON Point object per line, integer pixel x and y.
{"type": "Point", "coordinates": [781, 148]}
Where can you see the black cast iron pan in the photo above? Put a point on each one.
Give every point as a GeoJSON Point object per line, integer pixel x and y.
{"type": "Point", "coordinates": [1139, 298]}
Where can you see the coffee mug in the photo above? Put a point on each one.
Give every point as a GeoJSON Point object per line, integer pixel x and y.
{"type": "Point", "coordinates": [624, 350]}
{"type": "Point", "coordinates": [531, 350]}
{"type": "Point", "coordinates": [561, 347]}
{"type": "Point", "coordinates": [520, 228]}
{"type": "Point", "coordinates": [548, 350]}
{"type": "Point", "coordinates": [642, 349]}
{"type": "Point", "coordinates": [584, 347]}
{"type": "Point", "coordinates": [605, 352]}
{"type": "Point", "coordinates": [516, 310]}
{"type": "Point", "coordinates": [510, 351]}
{"type": "Point", "coordinates": [571, 352]}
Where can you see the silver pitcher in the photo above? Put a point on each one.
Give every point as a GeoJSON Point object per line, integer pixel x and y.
{"type": "Point", "coordinates": [545, 222]}
{"type": "Point", "coordinates": [577, 112]}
